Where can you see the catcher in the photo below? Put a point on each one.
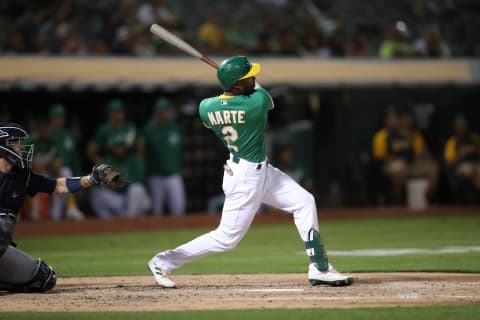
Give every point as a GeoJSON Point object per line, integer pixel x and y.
{"type": "Point", "coordinates": [19, 272]}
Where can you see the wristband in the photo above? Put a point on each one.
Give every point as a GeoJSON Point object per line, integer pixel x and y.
{"type": "Point", "coordinates": [74, 184]}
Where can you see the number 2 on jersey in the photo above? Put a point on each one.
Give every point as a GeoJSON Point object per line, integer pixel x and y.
{"type": "Point", "coordinates": [230, 135]}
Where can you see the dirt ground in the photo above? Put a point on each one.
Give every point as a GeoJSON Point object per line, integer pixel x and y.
{"type": "Point", "coordinates": [252, 291]}
{"type": "Point", "coordinates": [243, 291]}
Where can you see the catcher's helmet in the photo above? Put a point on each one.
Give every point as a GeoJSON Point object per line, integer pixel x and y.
{"type": "Point", "coordinates": [235, 68]}
{"type": "Point", "coordinates": [12, 146]}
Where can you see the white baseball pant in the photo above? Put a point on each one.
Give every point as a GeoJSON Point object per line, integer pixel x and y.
{"type": "Point", "coordinates": [249, 186]}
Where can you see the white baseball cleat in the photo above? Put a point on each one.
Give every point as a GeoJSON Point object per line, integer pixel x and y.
{"type": "Point", "coordinates": [331, 277]}
{"type": "Point", "coordinates": [161, 275]}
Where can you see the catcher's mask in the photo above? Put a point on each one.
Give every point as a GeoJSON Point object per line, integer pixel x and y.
{"type": "Point", "coordinates": [13, 147]}
{"type": "Point", "coordinates": [235, 68]}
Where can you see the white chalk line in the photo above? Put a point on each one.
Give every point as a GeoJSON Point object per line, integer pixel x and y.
{"type": "Point", "coordinates": [401, 251]}
{"type": "Point", "coordinates": [272, 290]}
{"type": "Point", "coordinates": [413, 296]}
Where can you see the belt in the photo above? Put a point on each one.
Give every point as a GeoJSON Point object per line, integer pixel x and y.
{"type": "Point", "coordinates": [237, 159]}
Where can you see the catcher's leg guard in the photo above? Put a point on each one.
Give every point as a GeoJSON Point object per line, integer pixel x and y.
{"type": "Point", "coordinates": [316, 250]}
{"type": "Point", "coordinates": [44, 280]}
{"type": "Point", "coordinates": [19, 272]}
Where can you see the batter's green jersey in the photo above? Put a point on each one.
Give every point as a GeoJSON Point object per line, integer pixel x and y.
{"type": "Point", "coordinates": [240, 121]}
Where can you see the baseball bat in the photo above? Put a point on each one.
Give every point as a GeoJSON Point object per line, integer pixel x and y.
{"type": "Point", "coordinates": [180, 44]}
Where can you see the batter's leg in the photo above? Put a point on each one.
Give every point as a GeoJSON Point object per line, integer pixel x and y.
{"type": "Point", "coordinates": [234, 224]}
{"type": "Point", "coordinates": [242, 202]}
{"type": "Point", "coordinates": [286, 194]}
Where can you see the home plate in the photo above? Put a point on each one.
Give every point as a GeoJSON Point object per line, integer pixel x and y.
{"type": "Point", "coordinates": [272, 290]}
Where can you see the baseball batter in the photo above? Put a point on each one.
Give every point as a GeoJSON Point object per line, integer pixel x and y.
{"type": "Point", "coordinates": [239, 118]}
{"type": "Point", "coordinates": [19, 272]}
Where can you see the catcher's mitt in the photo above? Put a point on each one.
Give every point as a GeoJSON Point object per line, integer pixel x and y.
{"type": "Point", "coordinates": [104, 175]}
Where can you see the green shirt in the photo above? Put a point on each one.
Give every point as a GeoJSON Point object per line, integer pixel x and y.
{"type": "Point", "coordinates": [163, 148]}
{"type": "Point", "coordinates": [105, 134]}
{"type": "Point", "coordinates": [240, 121]}
{"type": "Point", "coordinates": [64, 143]}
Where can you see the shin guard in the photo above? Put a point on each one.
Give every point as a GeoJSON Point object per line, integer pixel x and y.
{"type": "Point", "coordinates": [316, 251]}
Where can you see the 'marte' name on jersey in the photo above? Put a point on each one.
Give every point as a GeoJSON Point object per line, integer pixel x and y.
{"type": "Point", "coordinates": [240, 121]}
{"type": "Point", "coordinates": [226, 117]}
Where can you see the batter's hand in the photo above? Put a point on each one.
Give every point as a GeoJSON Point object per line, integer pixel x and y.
{"type": "Point", "coordinates": [104, 175]}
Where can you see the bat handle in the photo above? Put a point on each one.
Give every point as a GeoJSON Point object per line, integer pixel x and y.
{"type": "Point", "coordinates": [209, 61]}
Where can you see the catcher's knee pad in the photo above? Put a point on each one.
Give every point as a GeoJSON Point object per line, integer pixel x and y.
{"type": "Point", "coordinates": [316, 250]}
{"type": "Point", "coordinates": [43, 281]}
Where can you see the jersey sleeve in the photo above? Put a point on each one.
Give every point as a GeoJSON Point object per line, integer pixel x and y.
{"type": "Point", "coordinates": [202, 114]}
{"type": "Point", "coordinates": [267, 99]}
{"type": "Point", "coordinates": [40, 183]}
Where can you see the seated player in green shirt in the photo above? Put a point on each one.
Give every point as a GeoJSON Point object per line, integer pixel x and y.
{"type": "Point", "coordinates": [130, 201]}
{"type": "Point", "coordinates": [98, 147]}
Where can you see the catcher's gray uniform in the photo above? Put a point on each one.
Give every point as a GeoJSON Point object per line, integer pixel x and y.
{"type": "Point", "coordinates": [19, 272]}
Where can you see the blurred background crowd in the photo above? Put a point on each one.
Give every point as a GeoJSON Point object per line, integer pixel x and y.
{"type": "Point", "coordinates": [308, 28]}
{"type": "Point", "coordinates": [350, 145]}
{"type": "Point", "coordinates": [381, 154]}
